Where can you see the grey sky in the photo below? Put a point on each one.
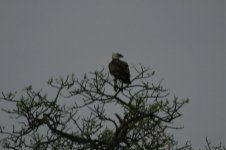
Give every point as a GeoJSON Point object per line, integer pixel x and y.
{"type": "Point", "coordinates": [183, 41]}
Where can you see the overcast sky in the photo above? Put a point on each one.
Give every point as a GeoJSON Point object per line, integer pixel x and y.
{"type": "Point", "coordinates": [183, 41]}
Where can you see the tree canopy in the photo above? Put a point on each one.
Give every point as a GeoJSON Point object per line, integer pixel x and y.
{"type": "Point", "coordinates": [87, 113]}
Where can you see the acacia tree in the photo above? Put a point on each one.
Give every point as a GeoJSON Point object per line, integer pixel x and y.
{"type": "Point", "coordinates": [87, 113]}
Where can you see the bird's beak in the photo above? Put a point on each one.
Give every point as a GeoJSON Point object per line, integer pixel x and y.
{"type": "Point", "coordinates": [120, 55]}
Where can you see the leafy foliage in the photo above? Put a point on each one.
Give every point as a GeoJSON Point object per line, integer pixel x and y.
{"type": "Point", "coordinates": [88, 114]}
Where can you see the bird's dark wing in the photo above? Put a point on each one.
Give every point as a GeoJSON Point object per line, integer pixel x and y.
{"type": "Point", "coordinates": [120, 70]}
{"type": "Point", "coordinates": [125, 68]}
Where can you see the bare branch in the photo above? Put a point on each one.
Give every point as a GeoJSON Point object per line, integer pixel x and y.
{"type": "Point", "coordinates": [77, 117]}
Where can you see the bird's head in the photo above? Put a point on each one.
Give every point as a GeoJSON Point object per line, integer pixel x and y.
{"type": "Point", "coordinates": [116, 55]}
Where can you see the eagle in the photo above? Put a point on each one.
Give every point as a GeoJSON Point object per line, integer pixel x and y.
{"type": "Point", "coordinates": [119, 70]}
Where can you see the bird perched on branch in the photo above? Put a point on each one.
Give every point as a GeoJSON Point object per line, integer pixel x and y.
{"type": "Point", "coordinates": [119, 70]}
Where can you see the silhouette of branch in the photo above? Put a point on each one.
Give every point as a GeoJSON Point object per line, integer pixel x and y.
{"type": "Point", "coordinates": [76, 117]}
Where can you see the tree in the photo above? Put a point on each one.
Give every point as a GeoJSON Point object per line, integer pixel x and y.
{"type": "Point", "coordinates": [88, 114]}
